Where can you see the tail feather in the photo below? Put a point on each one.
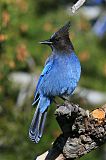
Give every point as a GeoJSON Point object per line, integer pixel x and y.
{"type": "Point", "coordinates": [37, 126]}
{"type": "Point", "coordinates": [34, 124]}
{"type": "Point", "coordinates": [42, 124]}
{"type": "Point", "coordinates": [35, 101]}
{"type": "Point", "coordinates": [38, 121]}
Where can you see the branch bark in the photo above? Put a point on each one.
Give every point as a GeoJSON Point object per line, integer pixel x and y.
{"type": "Point", "coordinates": [82, 130]}
{"type": "Point", "coordinates": [77, 5]}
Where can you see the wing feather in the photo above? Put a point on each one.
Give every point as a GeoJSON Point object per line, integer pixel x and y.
{"type": "Point", "coordinates": [47, 68]}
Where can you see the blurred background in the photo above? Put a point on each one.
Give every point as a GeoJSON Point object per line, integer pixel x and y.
{"type": "Point", "coordinates": [23, 23]}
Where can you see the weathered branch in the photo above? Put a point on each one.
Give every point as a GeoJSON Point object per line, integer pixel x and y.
{"type": "Point", "coordinates": [82, 130]}
{"type": "Point", "coordinates": [77, 5]}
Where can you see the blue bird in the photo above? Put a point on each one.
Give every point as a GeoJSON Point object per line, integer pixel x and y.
{"type": "Point", "coordinates": [59, 78]}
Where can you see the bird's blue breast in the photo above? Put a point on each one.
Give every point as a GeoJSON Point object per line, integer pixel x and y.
{"type": "Point", "coordinates": [63, 76]}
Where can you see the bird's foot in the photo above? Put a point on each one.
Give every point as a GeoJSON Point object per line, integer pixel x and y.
{"type": "Point", "coordinates": [57, 105]}
{"type": "Point", "coordinates": [65, 99]}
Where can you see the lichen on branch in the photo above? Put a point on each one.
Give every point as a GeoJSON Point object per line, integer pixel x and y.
{"type": "Point", "coordinates": [82, 131]}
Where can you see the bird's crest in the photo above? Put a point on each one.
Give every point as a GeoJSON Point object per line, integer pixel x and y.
{"type": "Point", "coordinates": [63, 31]}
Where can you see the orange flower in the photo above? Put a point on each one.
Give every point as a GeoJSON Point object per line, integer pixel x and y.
{"type": "Point", "coordinates": [22, 52]}
{"type": "Point", "coordinates": [22, 4]}
{"type": "Point", "coordinates": [84, 56]}
{"type": "Point", "coordinates": [3, 37]}
{"type": "Point", "coordinates": [5, 18]}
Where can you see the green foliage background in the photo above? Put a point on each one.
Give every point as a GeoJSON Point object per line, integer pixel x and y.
{"type": "Point", "coordinates": [22, 24]}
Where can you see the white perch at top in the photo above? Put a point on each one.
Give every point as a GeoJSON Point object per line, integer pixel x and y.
{"type": "Point", "coordinates": [77, 5]}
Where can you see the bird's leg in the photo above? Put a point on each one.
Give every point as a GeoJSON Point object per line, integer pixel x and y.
{"type": "Point", "coordinates": [56, 103]}
{"type": "Point", "coordinates": [64, 98]}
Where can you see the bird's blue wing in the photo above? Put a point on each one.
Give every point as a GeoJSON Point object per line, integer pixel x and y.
{"type": "Point", "coordinates": [45, 71]}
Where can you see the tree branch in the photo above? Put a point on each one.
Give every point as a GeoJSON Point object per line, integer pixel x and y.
{"type": "Point", "coordinates": [82, 130]}
{"type": "Point", "coordinates": [77, 5]}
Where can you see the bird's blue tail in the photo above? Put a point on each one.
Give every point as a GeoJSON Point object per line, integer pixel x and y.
{"type": "Point", "coordinates": [38, 121]}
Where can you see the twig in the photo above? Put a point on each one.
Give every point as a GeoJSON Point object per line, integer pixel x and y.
{"type": "Point", "coordinates": [77, 5]}
{"type": "Point", "coordinates": [82, 130]}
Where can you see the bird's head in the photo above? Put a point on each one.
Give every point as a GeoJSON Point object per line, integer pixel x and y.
{"type": "Point", "coordinates": [60, 40]}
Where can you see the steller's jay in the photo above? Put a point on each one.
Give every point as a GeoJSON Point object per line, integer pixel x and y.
{"type": "Point", "coordinates": [59, 78]}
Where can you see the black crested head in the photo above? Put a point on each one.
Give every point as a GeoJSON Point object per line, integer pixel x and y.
{"type": "Point", "coordinates": [60, 40]}
{"type": "Point", "coordinates": [63, 31]}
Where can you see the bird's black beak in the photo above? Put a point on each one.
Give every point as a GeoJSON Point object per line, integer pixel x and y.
{"type": "Point", "coordinates": [48, 42]}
